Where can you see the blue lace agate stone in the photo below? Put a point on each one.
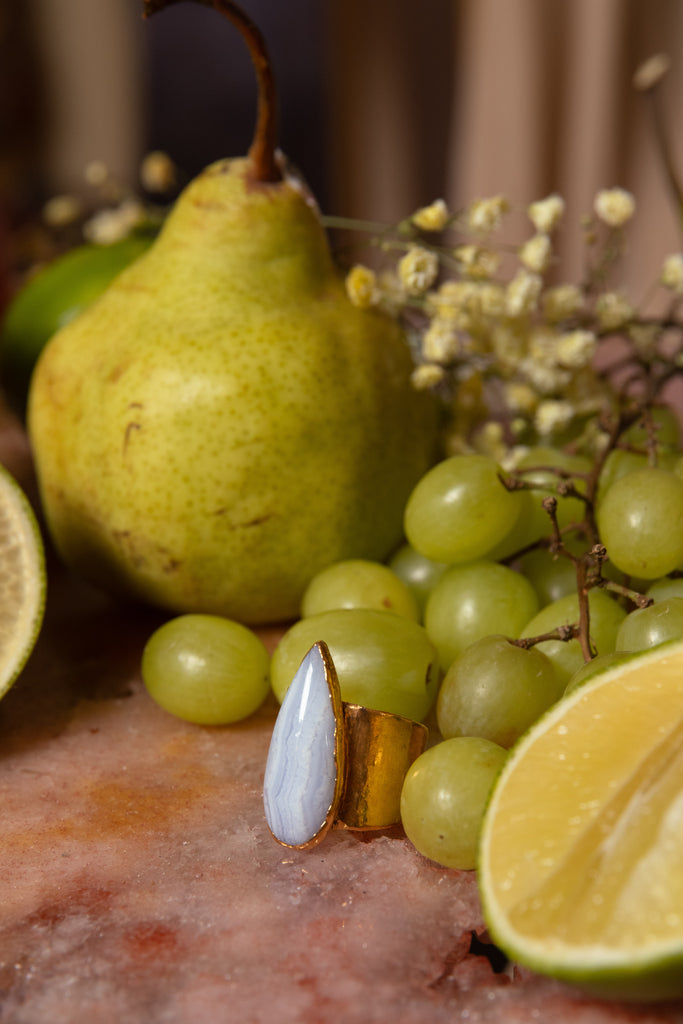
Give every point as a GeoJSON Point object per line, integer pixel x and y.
{"type": "Point", "coordinates": [300, 781]}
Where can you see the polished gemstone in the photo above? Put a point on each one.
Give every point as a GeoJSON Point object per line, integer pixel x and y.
{"type": "Point", "coordinates": [302, 770]}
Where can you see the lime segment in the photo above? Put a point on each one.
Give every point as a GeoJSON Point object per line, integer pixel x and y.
{"type": "Point", "coordinates": [22, 580]}
{"type": "Point", "coordinates": [582, 841]}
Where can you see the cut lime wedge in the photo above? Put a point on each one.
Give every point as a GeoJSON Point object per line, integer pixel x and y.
{"type": "Point", "coordinates": [582, 842]}
{"type": "Point", "coordinates": [22, 580]}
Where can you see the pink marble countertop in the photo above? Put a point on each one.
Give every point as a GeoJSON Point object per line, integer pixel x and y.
{"type": "Point", "coordinates": [140, 883]}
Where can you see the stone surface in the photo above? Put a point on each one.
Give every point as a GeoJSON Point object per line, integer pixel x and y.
{"type": "Point", "coordinates": [300, 778]}
{"type": "Point", "coordinates": [140, 882]}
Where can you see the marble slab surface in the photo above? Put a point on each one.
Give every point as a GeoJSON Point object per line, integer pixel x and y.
{"type": "Point", "coordinates": [140, 884]}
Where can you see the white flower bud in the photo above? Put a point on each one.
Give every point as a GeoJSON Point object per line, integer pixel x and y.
{"type": "Point", "coordinates": [546, 214]}
{"type": "Point", "coordinates": [485, 215]}
{"type": "Point", "coordinates": [361, 286]}
{"type": "Point", "coordinates": [614, 206]}
{"type": "Point", "coordinates": [613, 311]}
{"type": "Point", "coordinates": [671, 275]}
{"type": "Point", "coordinates": [562, 302]}
{"type": "Point", "coordinates": [417, 270]}
{"type": "Point", "coordinates": [522, 293]}
{"type": "Point", "coordinates": [426, 376]}
{"type": "Point", "coordinates": [536, 253]}
{"type": "Point", "coordinates": [576, 349]}
{"type": "Point", "coordinates": [552, 415]}
{"type": "Point", "coordinates": [433, 217]}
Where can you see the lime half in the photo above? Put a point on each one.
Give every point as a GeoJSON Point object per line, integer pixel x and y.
{"type": "Point", "coordinates": [22, 580]}
{"type": "Point", "coordinates": [582, 843]}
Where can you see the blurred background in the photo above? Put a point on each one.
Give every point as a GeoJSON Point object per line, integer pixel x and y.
{"type": "Point", "coordinates": [385, 105]}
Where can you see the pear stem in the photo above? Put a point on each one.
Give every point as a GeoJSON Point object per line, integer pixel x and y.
{"type": "Point", "coordinates": [261, 154]}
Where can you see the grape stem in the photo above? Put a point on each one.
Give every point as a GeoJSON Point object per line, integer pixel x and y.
{"type": "Point", "coordinates": [564, 633]}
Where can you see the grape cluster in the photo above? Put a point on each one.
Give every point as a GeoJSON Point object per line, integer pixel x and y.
{"type": "Point", "coordinates": [515, 583]}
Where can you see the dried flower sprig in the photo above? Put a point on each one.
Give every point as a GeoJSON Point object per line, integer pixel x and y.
{"type": "Point", "coordinates": [488, 321]}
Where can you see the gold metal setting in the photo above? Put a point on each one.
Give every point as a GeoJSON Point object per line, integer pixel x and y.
{"type": "Point", "coordinates": [373, 752]}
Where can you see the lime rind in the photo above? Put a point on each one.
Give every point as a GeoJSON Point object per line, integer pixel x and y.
{"type": "Point", "coordinates": [22, 581]}
{"type": "Point", "coordinates": [650, 973]}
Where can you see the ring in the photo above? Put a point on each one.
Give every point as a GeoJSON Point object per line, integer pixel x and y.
{"type": "Point", "coordinates": [333, 763]}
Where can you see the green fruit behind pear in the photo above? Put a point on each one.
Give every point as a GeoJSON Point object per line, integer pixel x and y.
{"type": "Point", "coordinates": [54, 296]}
{"type": "Point", "coordinates": [222, 423]}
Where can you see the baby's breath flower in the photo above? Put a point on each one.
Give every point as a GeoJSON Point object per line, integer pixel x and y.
{"type": "Point", "coordinates": [514, 455]}
{"type": "Point", "coordinates": [508, 345]}
{"type": "Point", "coordinates": [613, 310]}
{"type": "Point", "coordinates": [158, 173]}
{"type": "Point", "coordinates": [485, 215]}
{"type": "Point", "coordinates": [546, 214]}
{"type": "Point", "coordinates": [476, 261]}
{"type": "Point", "coordinates": [552, 415]}
{"type": "Point", "coordinates": [361, 286]}
{"type": "Point", "coordinates": [671, 275]}
{"type": "Point", "coordinates": [111, 225]}
{"type": "Point", "coordinates": [96, 173]}
{"type": "Point", "coordinates": [453, 301]}
{"type": "Point", "coordinates": [614, 206]}
{"type": "Point", "coordinates": [62, 210]}
{"type": "Point", "coordinates": [489, 440]}
{"type": "Point", "coordinates": [536, 253]}
{"type": "Point", "coordinates": [576, 349]}
{"type": "Point", "coordinates": [440, 342]}
{"type": "Point", "coordinates": [490, 299]}
{"type": "Point", "coordinates": [541, 366]}
{"type": "Point", "coordinates": [418, 269]}
{"type": "Point", "coordinates": [426, 376]}
{"type": "Point", "coordinates": [562, 302]}
{"type": "Point", "coordinates": [651, 72]}
{"type": "Point", "coordinates": [433, 217]}
{"type": "Point", "coordinates": [520, 397]}
{"type": "Point", "coordinates": [522, 293]}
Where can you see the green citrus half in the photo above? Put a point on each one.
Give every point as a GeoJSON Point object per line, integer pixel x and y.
{"type": "Point", "coordinates": [582, 843]}
{"type": "Point", "coordinates": [22, 580]}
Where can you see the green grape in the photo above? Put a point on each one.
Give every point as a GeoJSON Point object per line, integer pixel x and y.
{"type": "Point", "coordinates": [496, 690]}
{"type": "Point", "coordinates": [418, 572]}
{"type": "Point", "coordinates": [383, 661]}
{"type": "Point", "coordinates": [648, 627]}
{"type": "Point", "coordinates": [666, 587]}
{"type": "Point", "coordinates": [206, 669]}
{"type": "Point", "coordinates": [359, 583]}
{"type": "Point", "coordinates": [459, 509]}
{"type": "Point", "coordinates": [668, 433]}
{"type": "Point", "coordinates": [594, 667]}
{"type": "Point", "coordinates": [444, 795]}
{"type": "Point", "coordinates": [552, 576]}
{"type": "Point", "coordinates": [619, 462]}
{"type": "Point", "coordinates": [569, 510]}
{"type": "Point", "coordinates": [474, 600]}
{"type": "Point", "coordinates": [640, 520]}
{"type": "Point", "coordinates": [523, 532]}
{"type": "Point", "coordinates": [605, 618]}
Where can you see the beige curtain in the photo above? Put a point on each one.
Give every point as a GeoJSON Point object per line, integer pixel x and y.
{"type": "Point", "coordinates": [91, 65]}
{"type": "Point", "coordinates": [469, 98]}
{"type": "Point", "coordinates": [452, 98]}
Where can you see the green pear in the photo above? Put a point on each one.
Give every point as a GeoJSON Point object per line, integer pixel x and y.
{"type": "Point", "coordinates": [222, 423]}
